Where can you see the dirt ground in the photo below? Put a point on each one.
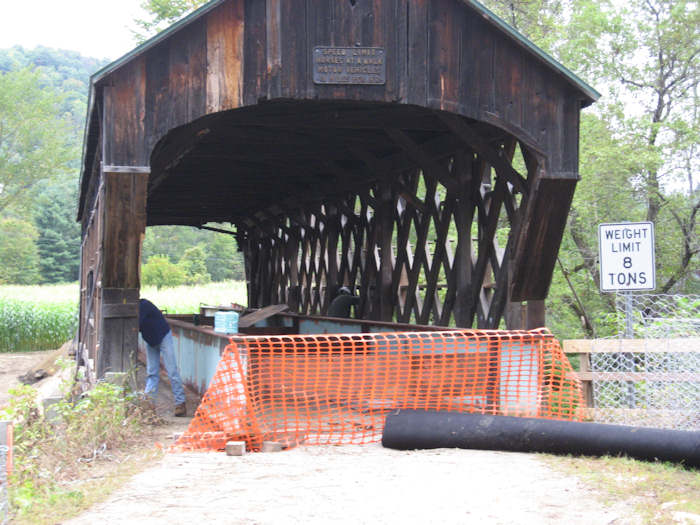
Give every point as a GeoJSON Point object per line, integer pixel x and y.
{"type": "Point", "coordinates": [355, 485]}
{"type": "Point", "coordinates": [13, 365]}
{"type": "Point", "coordinates": [338, 484]}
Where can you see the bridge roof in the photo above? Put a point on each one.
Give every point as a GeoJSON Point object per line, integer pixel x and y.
{"type": "Point", "coordinates": [481, 9]}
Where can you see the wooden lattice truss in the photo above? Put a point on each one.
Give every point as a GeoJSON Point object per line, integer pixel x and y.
{"type": "Point", "coordinates": [429, 243]}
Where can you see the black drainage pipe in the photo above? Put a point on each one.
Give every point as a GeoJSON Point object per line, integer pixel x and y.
{"type": "Point", "coordinates": [421, 429]}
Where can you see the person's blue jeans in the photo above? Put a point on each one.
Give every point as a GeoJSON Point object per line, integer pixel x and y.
{"type": "Point", "coordinates": [165, 350]}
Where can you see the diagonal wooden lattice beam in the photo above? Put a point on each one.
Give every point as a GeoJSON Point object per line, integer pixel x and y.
{"type": "Point", "coordinates": [472, 139]}
{"type": "Point", "coordinates": [415, 152]}
{"type": "Point", "coordinates": [403, 243]}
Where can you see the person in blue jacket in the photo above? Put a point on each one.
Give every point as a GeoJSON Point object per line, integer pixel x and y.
{"type": "Point", "coordinates": [159, 343]}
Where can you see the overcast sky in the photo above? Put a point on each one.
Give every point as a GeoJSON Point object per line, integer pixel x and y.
{"type": "Point", "coordinates": [95, 28]}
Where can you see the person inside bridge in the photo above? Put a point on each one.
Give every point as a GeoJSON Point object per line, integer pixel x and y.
{"type": "Point", "coordinates": [343, 301]}
{"type": "Point", "coordinates": [159, 344]}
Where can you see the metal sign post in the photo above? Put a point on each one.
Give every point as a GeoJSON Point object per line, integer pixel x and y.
{"type": "Point", "coordinates": [627, 263]}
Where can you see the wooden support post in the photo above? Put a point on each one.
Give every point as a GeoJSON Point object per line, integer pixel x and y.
{"type": "Point", "coordinates": [120, 328]}
{"type": "Point", "coordinates": [332, 232]}
{"type": "Point", "coordinates": [249, 253]}
{"type": "Point", "coordinates": [386, 230]}
{"type": "Point", "coordinates": [264, 273]}
{"type": "Point", "coordinates": [124, 223]}
{"type": "Point", "coordinates": [293, 294]}
{"type": "Point", "coordinates": [587, 385]}
{"type": "Point", "coordinates": [535, 314]}
{"type": "Point", "coordinates": [464, 216]}
{"type": "Point", "coordinates": [515, 315]}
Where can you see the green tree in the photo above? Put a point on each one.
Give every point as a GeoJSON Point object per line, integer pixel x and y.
{"type": "Point", "coordinates": [66, 72]}
{"type": "Point", "coordinates": [539, 20]}
{"type": "Point", "coordinates": [646, 55]}
{"type": "Point", "coordinates": [44, 98]}
{"type": "Point", "coordinates": [224, 260]}
{"type": "Point", "coordinates": [162, 273]}
{"type": "Point", "coordinates": [171, 241]}
{"type": "Point", "coordinates": [194, 265]}
{"type": "Point", "coordinates": [59, 235]}
{"type": "Point", "coordinates": [19, 258]}
{"type": "Point", "coordinates": [34, 139]}
{"type": "Point", "coordinates": [162, 13]}
{"type": "Point", "coordinates": [639, 148]}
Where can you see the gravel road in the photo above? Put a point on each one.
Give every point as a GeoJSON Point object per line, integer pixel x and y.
{"type": "Point", "coordinates": [356, 485]}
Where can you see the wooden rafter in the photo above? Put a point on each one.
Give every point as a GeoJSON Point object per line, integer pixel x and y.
{"type": "Point", "coordinates": [472, 139]}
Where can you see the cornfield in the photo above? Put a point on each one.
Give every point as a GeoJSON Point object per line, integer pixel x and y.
{"type": "Point", "coordinates": [44, 317]}
{"type": "Point", "coordinates": [26, 326]}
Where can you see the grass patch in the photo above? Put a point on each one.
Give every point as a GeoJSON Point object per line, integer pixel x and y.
{"type": "Point", "coordinates": [187, 299]}
{"type": "Point", "coordinates": [656, 490]}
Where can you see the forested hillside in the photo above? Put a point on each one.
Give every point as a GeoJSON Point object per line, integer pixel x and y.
{"type": "Point", "coordinates": [42, 109]}
{"type": "Point", "coordinates": [43, 100]}
{"type": "Point", "coordinates": [67, 73]}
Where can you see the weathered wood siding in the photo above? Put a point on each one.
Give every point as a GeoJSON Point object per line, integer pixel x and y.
{"type": "Point", "coordinates": [440, 54]}
{"type": "Point", "coordinates": [224, 86]}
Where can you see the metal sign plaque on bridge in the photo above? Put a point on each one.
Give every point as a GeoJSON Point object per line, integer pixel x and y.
{"type": "Point", "coordinates": [349, 65]}
{"type": "Point", "coordinates": [626, 256]}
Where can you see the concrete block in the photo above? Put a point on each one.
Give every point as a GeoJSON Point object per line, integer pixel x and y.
{"type": "Point", "coordinates": [6, 442]}
{"type": "Point", "coordinates": [116, 378]}
{"type": "Point", "coordinates": [4, 433]}
{"type": "Point", "coordinates": [235, 448]}
{"type": "Point", "coordinates": [271, 446]}
{"type": "Point", "coordinates": [50, 412]}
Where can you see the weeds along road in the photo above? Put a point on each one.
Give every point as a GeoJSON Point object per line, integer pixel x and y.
{"type": "Point", "coordinates": [354, 484]}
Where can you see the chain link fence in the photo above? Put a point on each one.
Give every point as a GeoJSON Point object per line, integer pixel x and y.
{"type": "Point", "coordinates": [653, 380]}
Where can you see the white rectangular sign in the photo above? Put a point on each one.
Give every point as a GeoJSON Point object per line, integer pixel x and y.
{"type": "Point", "coordinates": [626, 256]}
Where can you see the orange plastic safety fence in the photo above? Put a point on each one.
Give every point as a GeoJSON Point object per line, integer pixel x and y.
{"type": "Point", "coordinates": [333, 389]}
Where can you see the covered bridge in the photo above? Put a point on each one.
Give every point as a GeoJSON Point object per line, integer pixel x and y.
{"type": "Point", "coordinates": [420, 152]}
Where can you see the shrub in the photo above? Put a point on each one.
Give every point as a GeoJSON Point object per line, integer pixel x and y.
{"type": "Point", "coordinates": [193, 263]}
{"type": "Point", "coordinates": [161, 273]}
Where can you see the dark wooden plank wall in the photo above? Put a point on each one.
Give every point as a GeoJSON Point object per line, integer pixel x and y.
{"type": "Point", "coordinates": [90, 300]}
{"type": "Point", "coordinates": [224, 87]}
{"type": "Point", "coordinates": [440, 54]}
{"type": "Point", "coordinates": [124, 114]}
